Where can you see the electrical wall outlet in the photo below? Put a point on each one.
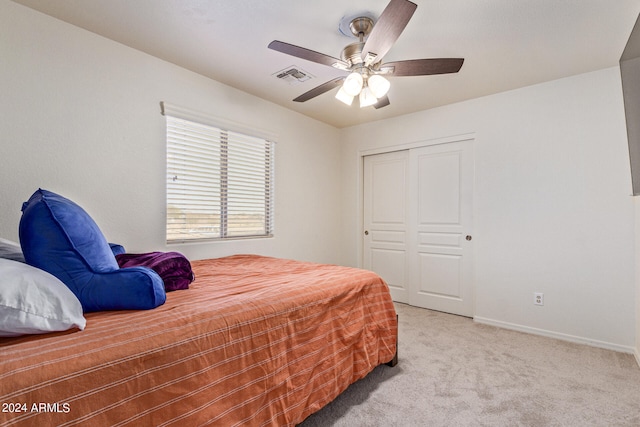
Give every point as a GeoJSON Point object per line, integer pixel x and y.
{"type": "Point", "coordinates": [538, 298]}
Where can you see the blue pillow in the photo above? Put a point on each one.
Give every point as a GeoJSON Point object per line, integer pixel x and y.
{"type": "Point", "coordinates": [59, 237]}
{"type": "Point", "coordinates": [117, 249]}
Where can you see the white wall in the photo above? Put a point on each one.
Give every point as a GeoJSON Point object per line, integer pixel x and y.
{"type": "Point", "coordinates": [552, 210]}
{"type": "Point", "coordinates": [80, 115]}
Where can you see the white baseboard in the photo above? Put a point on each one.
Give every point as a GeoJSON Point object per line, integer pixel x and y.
{"type": "Point", "coordinates": [560, 336]}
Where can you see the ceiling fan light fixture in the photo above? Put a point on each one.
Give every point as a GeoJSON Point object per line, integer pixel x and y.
{"type": "Point", "coordinates": [367, 98]}
{"type": "Point", "coordinates": [353, 84]}
{"type": "Point", "coordinates": [378, 85]}
{"type": "Point", "coordinates": [343, 96]}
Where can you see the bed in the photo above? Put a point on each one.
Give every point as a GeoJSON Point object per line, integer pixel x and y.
{"type": "Point", "coordinates": [254, 341]}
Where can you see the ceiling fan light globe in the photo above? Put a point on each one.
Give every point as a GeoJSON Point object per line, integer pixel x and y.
{"type": "Point", "coordinates": [353, 84]}
{"type": "Point", "coordinates": [378, 85]}
{"type": "Point", "coordinates": [343, 96]}
{"type": "Point", "coordinates": [367, 98]}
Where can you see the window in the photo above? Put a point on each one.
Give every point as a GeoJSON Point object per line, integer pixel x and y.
{"type": "Point", "coordinates": [219, 181]}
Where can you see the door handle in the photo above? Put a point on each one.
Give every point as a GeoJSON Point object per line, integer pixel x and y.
{"type": "Point", "coordinates": [469, 237]}
{"type": "Point", "coordinates": [366, 232]}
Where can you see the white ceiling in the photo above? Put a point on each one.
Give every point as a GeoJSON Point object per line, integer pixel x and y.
{"type": "Point", "coordinates": [506, 43]}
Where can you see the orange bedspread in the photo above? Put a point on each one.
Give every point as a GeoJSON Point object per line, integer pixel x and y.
{"type": "Point", "coordinates": [254, 341]}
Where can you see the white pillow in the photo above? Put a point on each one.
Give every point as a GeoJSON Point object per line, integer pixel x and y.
{"type": "Point", "coordinates": [33, 301]}
{"type": "Point", "coordinates": [11, 250]}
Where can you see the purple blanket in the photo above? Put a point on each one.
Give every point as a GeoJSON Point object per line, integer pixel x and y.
{"type": "Point", "coordinates": [172, 267]}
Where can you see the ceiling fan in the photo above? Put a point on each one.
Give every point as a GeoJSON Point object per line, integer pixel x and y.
{"type": "Point", "coordinates": [363, 59]}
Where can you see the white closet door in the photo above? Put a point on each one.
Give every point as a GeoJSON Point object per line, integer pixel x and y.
{"type": "Point", "coordinates": [418, 225]}
{"type": "Point", "coordinates": [440, 214]}
{"type": "Point", "coordinates": [385, 219]}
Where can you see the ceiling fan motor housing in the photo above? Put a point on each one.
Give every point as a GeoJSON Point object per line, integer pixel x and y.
{"type": "Point", "coordinates": [352, 54]}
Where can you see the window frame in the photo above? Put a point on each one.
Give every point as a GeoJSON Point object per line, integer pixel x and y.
{"type": "Point", "coordinates": [230, 133]}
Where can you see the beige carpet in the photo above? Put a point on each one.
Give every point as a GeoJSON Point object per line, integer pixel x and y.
{"type": "Point", "coordinates": [454, 372]}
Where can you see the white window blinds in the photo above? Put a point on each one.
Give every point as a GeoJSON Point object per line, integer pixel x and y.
{"type": "Point", "coordinates": [219, 182]}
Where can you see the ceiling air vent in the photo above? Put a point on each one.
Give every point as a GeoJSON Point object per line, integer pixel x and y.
{"type": "Point", "coordinates": [293, 75]}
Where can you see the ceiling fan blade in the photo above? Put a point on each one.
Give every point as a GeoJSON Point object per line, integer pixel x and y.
{"type": "Point", "coordinates": [382, 102]}
{"type": "Point", "coordinates": [309, 55]}
{"type": "Point", "coordinates": [319, 90]}
{"type": "Point", "coordinates": [392, 21]}
{"type": "Point", "coordinates": [423, 67]}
